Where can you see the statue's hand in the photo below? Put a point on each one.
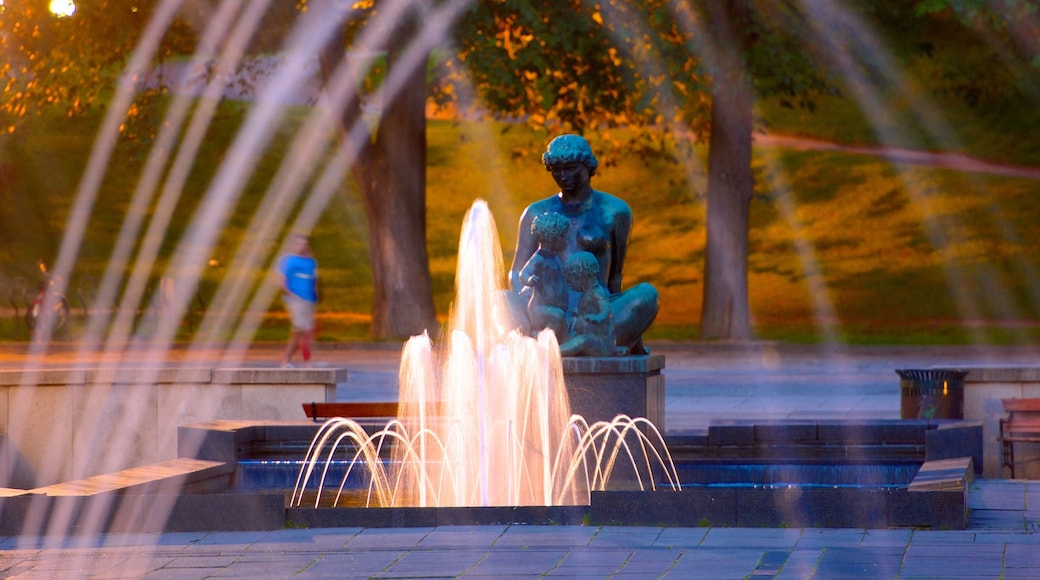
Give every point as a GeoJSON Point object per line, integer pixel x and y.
{"type": "Point", "coordinates": [581, 325]}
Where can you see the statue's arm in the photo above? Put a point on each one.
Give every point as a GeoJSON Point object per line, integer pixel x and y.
{"type": "Point", "coordinates": [622, 229]}
{"type": "Point", "coordinates": [600, 311]}
{"type": "Point", "coordinates": [529, 273]}
{"type": "Point", "coordinates": [525, 248]}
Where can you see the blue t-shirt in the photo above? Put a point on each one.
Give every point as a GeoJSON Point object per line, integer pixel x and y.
{"type": "Point", "coordinates": [301, 276]}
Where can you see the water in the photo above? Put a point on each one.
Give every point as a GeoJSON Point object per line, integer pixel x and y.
{"type": "Point", "coordinates": [485, 422]}
{"type": "Point", "coordinates": [785, 475]}
{"type": "Point", "coordinates": [281, 474]}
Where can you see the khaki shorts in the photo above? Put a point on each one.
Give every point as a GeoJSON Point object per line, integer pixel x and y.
{"type": "Point", "coordinates": [301, 312]}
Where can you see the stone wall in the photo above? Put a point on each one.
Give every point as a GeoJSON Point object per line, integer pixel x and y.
{"type": "Point", "coordinates": [61, 425]}
{"type": "Point", "coordinates": [984, 387]}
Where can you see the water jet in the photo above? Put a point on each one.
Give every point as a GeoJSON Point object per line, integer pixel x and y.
{"type": "Point", "coordinates": [489, 421]}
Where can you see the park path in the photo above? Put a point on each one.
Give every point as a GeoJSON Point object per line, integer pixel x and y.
{"type": "Point", "coordinates": [943, 159]}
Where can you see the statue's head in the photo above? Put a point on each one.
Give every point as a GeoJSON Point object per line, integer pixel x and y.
{"type": "Point", "coordinates": [570, 149]}
{"type": "Point", "coordinates": [581, 270]}
{"type": "Point", "coordinates": [550, 228]}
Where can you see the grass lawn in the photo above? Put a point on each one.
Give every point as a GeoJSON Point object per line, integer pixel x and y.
{"type": "Point", "coordinates": [843, 246]}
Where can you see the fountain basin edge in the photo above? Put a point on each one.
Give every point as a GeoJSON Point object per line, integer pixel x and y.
{"type": "Point", "coordinates": [186, 495]}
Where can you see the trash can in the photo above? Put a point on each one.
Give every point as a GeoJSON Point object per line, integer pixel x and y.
{"type": "Point", "coordinates": [931, 393]}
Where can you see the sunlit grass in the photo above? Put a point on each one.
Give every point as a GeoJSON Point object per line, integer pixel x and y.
{"type": "Point", "coordinates": [990, 130]}
{"type": "Point", "coordinates": [888, 242]}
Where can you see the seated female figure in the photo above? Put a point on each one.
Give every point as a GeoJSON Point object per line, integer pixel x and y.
{"type": "Point", "coordinates": [600, 224]}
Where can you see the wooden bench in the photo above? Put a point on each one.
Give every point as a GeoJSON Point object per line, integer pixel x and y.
{"type": "Point", "coordinates": [320, 411]}
{"type": "Point", "coordinates": [1022, 425]}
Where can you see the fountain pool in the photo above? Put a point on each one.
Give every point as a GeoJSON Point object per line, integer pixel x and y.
{"type": "Point", "coordinates": [866, 474]}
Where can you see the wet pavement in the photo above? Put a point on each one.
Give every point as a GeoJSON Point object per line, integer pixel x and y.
{"type": "Point", "coordinates": [703, 382]}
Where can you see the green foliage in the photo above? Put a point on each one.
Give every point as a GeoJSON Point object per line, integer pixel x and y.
{"type": "Point", "coordinates": [635, 76]}
{"type": "Point", "coordinates": [70, 65]}
{"type": "Point", "coordinates": [47, 160]}
{"type": "Point", "coordinates": [549, 62]}
{"type": "Point", "coordinates": [867, 223]}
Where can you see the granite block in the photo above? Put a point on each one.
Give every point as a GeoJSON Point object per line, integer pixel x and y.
{"type": "Point", "coordinates": [603, 397]}
{"type": "Point", "coordinates": [279, 403]}
{"type": "Point", "coordinates": [189, 404]}
{"type": "Point", "coordinates": [13, 511]}
{"type": "Point", "coordinates": [37, 377]}
{"type": "Point", "coordinates": [40, 425]}
{"type": "Point", "coordinates": [874, 432]}
{"type": "Point", "coordinates": [944, 474]}
{"type": "Point", "coordinates": [801, 452]}
{"type": "Point", "coordinates": [688, 508]}
{"type": "Point", "coordinates": [645, 364]}
{"type": "Point", "coordinates": [149, 376]}
{"type": "Point", "coordinates": [938, 510]}
{"type": "Point", "coordinates": [723, 433]}
{"type": "Point", "coordinates": [785, 431]}
{"type": "Point", "coordinates": [1002, 375]}
{"type": "Point", "coordinates": [278, 376]}
{"type": "Point", "coordinates": [684, 439]}
{"type": "Point", "coordinates": [147, 513]}
{"type": "Point", "coordinates": [106, 416]}
{"type": "Point", "coordinates": [303, 431]}
{"type": "Point", "coordinates": [508, 515]}
{"type": "Point", "coordinates": [205, 441]}
{"type": "Point", "coordinates": [361, 517]}
{"type": "Point", "coordinates": [962, 439]}
{"type": "Point", "coordinates": [173, 475]}
{"type": "Point", "coordinates": [879, 452]}
{"type": "Point", "coordinates": [225, 512]}
{"type": "Point", "coordinates": [601, 388]}
{"type": "Point", "coordinates": [811, 508]}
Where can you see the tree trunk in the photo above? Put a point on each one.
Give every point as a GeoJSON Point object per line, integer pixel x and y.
{"type": "Point", "coordinates": [725, 314]}
{"type": "Point", "coordinates": [391, 175]}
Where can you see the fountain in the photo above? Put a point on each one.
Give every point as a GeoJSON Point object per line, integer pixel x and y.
{"type": "Point", "coordinates": [469, 439]}
{"type": "Point", "coordinates": [489, 424]}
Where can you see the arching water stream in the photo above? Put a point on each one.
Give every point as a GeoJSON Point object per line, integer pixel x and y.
{"type": "Point", "coordinates": [486, 422]}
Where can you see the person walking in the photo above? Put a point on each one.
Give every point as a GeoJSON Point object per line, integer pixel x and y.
{"type": "Point", "coordinates": [299, 272]}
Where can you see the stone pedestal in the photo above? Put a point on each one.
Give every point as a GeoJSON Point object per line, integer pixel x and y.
{"type": "Point", "coordinates": [600, 388]}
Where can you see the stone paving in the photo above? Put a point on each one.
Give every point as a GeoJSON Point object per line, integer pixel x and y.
{"type": "Point", "coordinates": [1000, 542]}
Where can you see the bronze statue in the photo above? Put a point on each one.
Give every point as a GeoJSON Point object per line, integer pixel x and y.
{"type": "Point", "coordinates": [591, 328]}
{"type": "Point", "coordinates": [542, 275]}
{"type": "Point", "coordinates": [599, 223]}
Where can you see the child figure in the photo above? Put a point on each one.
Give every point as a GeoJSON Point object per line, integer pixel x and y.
{"type": "Point", "coordinates": [592, 332]}
{"type": "Point", "coordinates": [542, 275]}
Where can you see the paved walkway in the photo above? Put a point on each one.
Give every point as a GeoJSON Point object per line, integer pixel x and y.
{"type": "Point", "coordinates": [1001, 543]}
{"type": "Point", "coordinates": [703, 382]}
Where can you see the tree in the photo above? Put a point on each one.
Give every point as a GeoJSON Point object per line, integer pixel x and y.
{"type": "Point", "coordinates": [390, 169]}
{"type": "Point", "coordinates": [685, 70]}
{"type": "Point", "coordinates": [696, 70]}
{"type": "Point", "coordinates": [391, 173]}
{"type": "Point", "coordinates": [663, 66]}
{"type": "Point", "coordinates": [730, 183]}
{"type": "Point", "coordinates": [71, 64]}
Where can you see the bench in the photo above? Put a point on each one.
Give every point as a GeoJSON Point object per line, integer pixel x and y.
{"type": "Point", "coordinates": [320, 411]}
{"type": "Point", "coordinates": [1022, 425]}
